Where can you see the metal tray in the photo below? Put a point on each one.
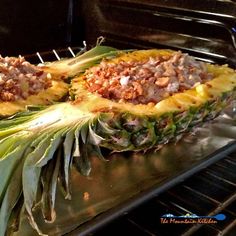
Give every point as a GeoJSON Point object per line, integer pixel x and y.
{"type": "Point", "coordinates": [128, 179]}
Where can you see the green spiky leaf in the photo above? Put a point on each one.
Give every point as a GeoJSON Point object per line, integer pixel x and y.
{"type": "Point", "coordinates": [80, 63]}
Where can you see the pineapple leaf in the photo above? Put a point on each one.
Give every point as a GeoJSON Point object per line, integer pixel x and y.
{"type": "Point", "coordinates": [14, 220]}
{"type": "Point", "coordinates": [8, 165]}
{"type": "Point", "coordinates": [76, 151]}
{"type": "Point", "coordinates": [11, 196]}
{"type": "Point", "coordinates": [6, 145]}
{"type": "Point", "coordinates": [81, 157]}
{"type": "Point", "coordinates": [31, 176]}
{"type": "Point", "coordinates": [105, 127]}
{"type": "Point", "coordinates": [97, 150]}
{"type": "Point", "coordinates": [96, 52]}
{"type": "Point", "coordinates": [93, 137]}
{"type": "Point", "coordinates": [52, 147]}
{"type": "Point", "coordinates": [9, 210]}
{"type": "Point", "coordinates": [66, 166]}
{"type": "Point", "coordinates": [16, 119]}
{"type": "Point", "coordinates": [80, 63]}
{"type": "Point", "coordinates": [33, 169]}
{"type": "Point", "coordinates": [49, 182]}
{"type": "Point", "coordinates": [84, 132]}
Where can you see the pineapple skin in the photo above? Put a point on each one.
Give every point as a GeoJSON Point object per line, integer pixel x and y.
{"type": "Point", "coordinates": [131, 132]}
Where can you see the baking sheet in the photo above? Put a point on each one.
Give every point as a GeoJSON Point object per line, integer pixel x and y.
{"type": "Point", "coordinates": [127, 175]}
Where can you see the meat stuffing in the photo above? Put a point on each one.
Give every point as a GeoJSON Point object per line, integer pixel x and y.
{"type": "Point", "coordinates": [146, 81]}
{"type": "Point", "coordinates": [19, 79]}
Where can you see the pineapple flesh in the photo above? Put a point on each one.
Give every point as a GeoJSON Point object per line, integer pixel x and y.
{"type": "Point", "coordinates": [55, 93]}
{"type": "Point", "coordinates": [64, 134]}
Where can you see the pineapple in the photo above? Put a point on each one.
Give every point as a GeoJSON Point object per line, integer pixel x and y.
{"type": "Point", "coordinates": [55, 93]}
{"type": "Point", "coordinates": [17, 93]}
{"type": "Point", "coordinates": [60, 72]}
{"type": "Point", "coordinates": [42, 146]}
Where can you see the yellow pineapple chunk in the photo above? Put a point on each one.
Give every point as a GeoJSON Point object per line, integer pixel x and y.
{"type": "Point", "coordinates": [184, 100]}
{"type": "Point", "coordinates": [168, 105]}
{"type": "Point", "coordinates": [202, 91]}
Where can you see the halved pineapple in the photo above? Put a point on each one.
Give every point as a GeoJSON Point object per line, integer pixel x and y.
{"type": "Point", "coordinates": [55, 93]}
{"type": "Point", "coordinates": [60, 72]}
{"type": "Point", "coordinates": [193, 106]}
{"type": "Point", "coordinates": [65, 133]}
{"type": "Point", "coordinates": [23, 84]}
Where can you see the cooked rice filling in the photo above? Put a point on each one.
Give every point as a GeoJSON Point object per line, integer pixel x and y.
{"type": "Point", "coordinates": [19, 79]}
{"type": "Point", "coordinates": [146, 81]}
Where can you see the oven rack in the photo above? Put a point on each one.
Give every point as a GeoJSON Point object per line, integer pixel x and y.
{"type": "Point", "coordinates": [55, 54]}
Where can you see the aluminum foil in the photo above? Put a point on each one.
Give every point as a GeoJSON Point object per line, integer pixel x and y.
{"type": "Point", "coordinates": [126, 175]}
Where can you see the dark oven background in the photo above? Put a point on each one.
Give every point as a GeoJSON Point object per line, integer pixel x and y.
{"type": "Point", "coordinates": [28, 26]}
{"type": "Point", "coordinates": [204, 28]}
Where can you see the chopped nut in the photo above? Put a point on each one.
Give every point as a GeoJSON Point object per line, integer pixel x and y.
{"type": "Point", "coordinates": [162, 82]}
{"type": "Point", "coordinates": [147, 80]}
{"type": "Point", "coordinates": [19, 79]}
{"type": "Point", "coordinates": [86, 196]}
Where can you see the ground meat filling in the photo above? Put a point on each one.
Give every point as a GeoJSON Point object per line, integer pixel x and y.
{"type": "Point", "coordinates": [146, 81]}
{"type": "Point", "coordinates": [19, 79]}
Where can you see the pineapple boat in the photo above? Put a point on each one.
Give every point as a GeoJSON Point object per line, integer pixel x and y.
{"type": "Point", "coordinates": [23, 84]}
{"type": "Point", "coordinates": [128, 101]}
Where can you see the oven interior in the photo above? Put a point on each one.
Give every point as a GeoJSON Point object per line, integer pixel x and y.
{"type": "Point", "coordinates": [205, 29]}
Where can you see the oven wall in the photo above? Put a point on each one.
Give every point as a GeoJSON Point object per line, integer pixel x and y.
{"type": "Point", "coordinates": [204, 28]}
{"type": "Point", "coordinates": [28, 26]}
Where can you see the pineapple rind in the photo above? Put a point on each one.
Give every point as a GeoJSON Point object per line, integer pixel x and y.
{"type": "Point", "coordinates": [157, 130]}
